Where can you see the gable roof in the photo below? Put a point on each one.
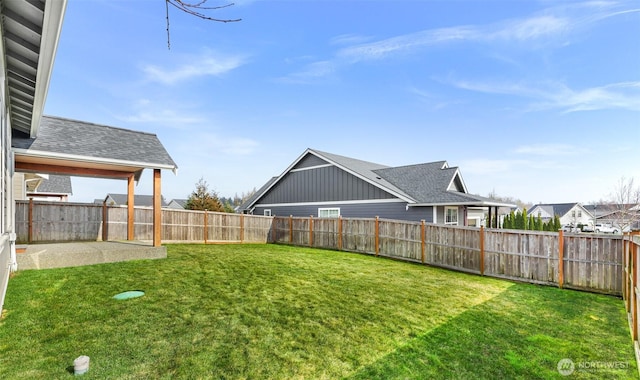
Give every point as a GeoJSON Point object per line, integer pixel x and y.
{"type": "Point", "coordinates": [180, 202]}
{"type": "Point", "coordinates": [560, 209]}
{"type": "Point", "coordinates": [81, 144]}
{"type": "Point", "coordinates": [429, 184]}
{"type": "Point", "coordinates": [55, 184]}
{"type": "Point", "coordinates": [138, 200]}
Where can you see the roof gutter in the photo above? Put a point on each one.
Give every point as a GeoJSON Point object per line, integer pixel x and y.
{"type": "Point", "coordinates": [470, 203]}
{"type": "Point", "coordinates": [51, 28]}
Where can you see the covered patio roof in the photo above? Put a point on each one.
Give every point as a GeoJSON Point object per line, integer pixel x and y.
{"type": "Point", "coordinates": [78, 148]}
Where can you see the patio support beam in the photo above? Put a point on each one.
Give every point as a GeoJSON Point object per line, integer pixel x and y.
{"type": "Point", "coordinates": [157, 208]}
{"type": "Point", "coordinates": [130, 209]}
{"type": "Point", "coordinates": [73, 171]}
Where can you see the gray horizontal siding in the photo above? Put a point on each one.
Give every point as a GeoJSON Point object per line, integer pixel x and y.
{"type": "Point", "coordinates": [390, 210]}
{"type": "Point", "coordinates": [323, 184]}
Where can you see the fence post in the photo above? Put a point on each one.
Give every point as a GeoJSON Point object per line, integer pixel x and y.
{"type": "Point", "coordinates": [340, 233]}
{"type": "Point", "coordinates": [310, 230]}
{"type": "Point", "coordinates": [423, 232]}
{"type": "Point", "coordinates": [290, 229]}
{"type": "Point", "coordinates": [482, 250]}
{"type": "Point", "coordinates": [105, 224]}
{"type": "Point", "coordinates": [626, 255]}
{"type": "Point", "coordinates": [30, 221]}
{"type": "Point", "coordinates": [634, 302]}
{"type": "Point", "coordinates": [560, 258]}
{"type": "Point", "coordinates": [241, 228]}
{"type": "Point", "coordinates": [377, 240]}
{"type": "Point", "coordinates": [206, 227]}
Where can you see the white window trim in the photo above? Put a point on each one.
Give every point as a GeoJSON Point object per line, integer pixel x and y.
{"type": "Point", "coordinates": [267, 212]}
{"type": "Point", "coordinates": [328, 210]}
{"type": "Point", "coordinates": [455, 209]}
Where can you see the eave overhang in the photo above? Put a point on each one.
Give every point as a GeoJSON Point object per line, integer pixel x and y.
{"type": "Point", "coordinates": [30, 34]}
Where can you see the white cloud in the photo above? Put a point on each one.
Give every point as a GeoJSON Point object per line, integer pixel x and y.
{"type": "Point", "coordinates": [550, 150]}
{"type": "Point", "coordinates": [555, 95]}
{"type": "Point", "coordinates": [551, 24]}
{"type": "Point", "coordinates": [205, 65]}
{"type": "Point", "coordinates": [172, 115]}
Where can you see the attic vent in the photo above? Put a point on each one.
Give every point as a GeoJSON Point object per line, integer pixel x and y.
{"type": "Point", "coordinates": [378, 177]}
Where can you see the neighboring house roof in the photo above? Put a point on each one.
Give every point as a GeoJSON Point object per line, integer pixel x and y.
{"type": "Point", "coordinates": [178, 203]}
{"type": "Point", "coordinates": [55, 184]}
{"type": "Point", "coordinates": [138, 200]}
{"type": "Point", "coordinates": [31, 31]}
{"type": "Point", "coordinates": [552, 209]}
{"type": "Point", "coordinates": [429, 184]}
{"type": "Point", "coordinates": [72, 140]}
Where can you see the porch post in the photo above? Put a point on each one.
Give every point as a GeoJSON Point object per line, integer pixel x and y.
{"type": "Point", "coordinates": [490, 222]}
{"type": "Point", "coordinates": [157, 209]}
{"type": "Point", "coordinates": [130, 210]}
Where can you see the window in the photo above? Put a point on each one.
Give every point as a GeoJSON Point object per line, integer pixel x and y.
{"type": "Point", "coordinates": [573, 213]}
{"type": "Point", "coordinates": [328, 212]}
{"type": "Point", "coordinates": [579, 213]}
{"type": "Point", "coordinates": [267, 212]}
{"type": "Point", "coordinates": [451, 215]}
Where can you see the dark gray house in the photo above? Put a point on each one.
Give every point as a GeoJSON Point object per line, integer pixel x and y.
{"type": "Point", "coordinates": [323, 184]}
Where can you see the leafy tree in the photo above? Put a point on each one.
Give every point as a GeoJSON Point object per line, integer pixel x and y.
{"type": "Point", "coordinates": [203, 199]}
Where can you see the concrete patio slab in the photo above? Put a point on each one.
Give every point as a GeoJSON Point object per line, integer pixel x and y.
{"type": "Point", "coordinates": [60, 255]}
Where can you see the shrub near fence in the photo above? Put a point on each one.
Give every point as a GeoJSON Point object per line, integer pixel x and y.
{"type": "Point", "coordinates": [584, 261]}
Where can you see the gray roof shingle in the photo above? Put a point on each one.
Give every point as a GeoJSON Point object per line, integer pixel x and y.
{"type": "Point", "coordinates": [73, 137]}
{"type": "Point", "coordinates": [56, 184]}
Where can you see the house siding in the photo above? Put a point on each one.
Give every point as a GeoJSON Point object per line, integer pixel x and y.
{"type": "Point", "coordinates": [324, 184]}
{"type": "Point", "coordinates": [385, 210]}
{"type": "Point", "coordinates": [309, 161]}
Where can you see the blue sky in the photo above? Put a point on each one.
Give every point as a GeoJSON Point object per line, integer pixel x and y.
{"type": "Point", "coordinates": [536, 100]}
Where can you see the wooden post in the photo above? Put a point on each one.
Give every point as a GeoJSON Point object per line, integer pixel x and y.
{"type": "Point", "coordinates": [290, 229]}
{"type": "Point", "coordinates": [489, 225]}
{"type": "Point", "coordinates": [241, 228]}
{"type": "Point", "coordinates": [130, 209]}
{"type": "Point", "coordinates": [105, 216]}
{"type": "Point", "coordinates": [205, 233]}
{"type": "Point", "coordinates": [626, 254]}
{"type": "Point", "coordinates": [340, 233]}
{"type": "Point", "coordinates": [634, 293]}
{"type": "Point", "coordinates": [157, 208]}
{"type": "Point", "coordinates": [30, 221]}
{"type": "Point", "coordinates": [482, 250]}
{"type": "Point", "coordinates": [560, 258]}
{"type": "Point", "coordinates": [310, 230]}
{"type": "Point", "coordinates": [423, 238]}
{"type": "Point", "coordinates": [377, 240]}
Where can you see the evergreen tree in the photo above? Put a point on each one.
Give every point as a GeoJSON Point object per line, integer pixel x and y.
{"type": "Point", "coordinates": [203, 199]}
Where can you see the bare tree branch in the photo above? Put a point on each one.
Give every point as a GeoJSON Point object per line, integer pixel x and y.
{"type": "Point", "coordinates": [195, 9]}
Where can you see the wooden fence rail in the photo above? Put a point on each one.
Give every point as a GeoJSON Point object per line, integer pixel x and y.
{"type": "Point", "coordinates": [578, 261]}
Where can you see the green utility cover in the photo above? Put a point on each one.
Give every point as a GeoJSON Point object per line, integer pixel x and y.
{"type": "Point", "coordinates": [129, 294]}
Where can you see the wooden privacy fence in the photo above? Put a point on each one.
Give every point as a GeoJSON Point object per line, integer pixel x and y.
{"type": "Point", "coordinates": [630, 290]}
{"type": "Point", "coordinates": [38, 221]}
{"type": "Point", "coordinates": [579, 261]}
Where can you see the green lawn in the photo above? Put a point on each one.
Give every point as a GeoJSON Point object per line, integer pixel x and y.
{"type": "Point", "coordinates": [271, 311]}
